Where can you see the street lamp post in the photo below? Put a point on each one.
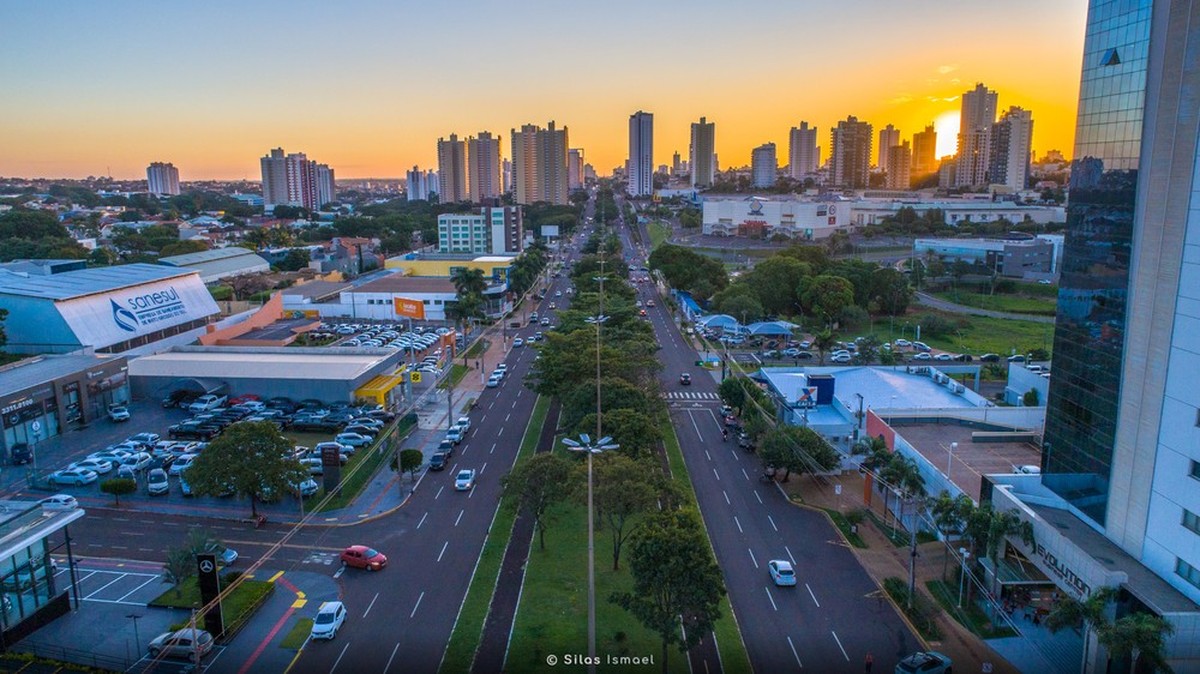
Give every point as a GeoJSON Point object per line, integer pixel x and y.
{"type": "Point", "coordinates": [584, 444]}
{"type": "Point", "coordinates": [950, 459]}
{"type": "Point", "coordinates": [137, 639]}
{"type": "Point", "coordinates": [962, 576]}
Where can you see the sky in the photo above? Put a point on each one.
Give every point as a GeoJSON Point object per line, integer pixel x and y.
{"type": "Point", "coordinates": [368, 86]}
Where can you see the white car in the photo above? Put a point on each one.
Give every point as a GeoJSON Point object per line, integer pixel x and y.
{"type": "Point", "coordinates": [465, 480]}
{"type": "Point", "coordinates": [464, 423]}
{"type": "Point", "coordinates": [903, 342]}
{"type": "Point", "coordinates": [97, 466]}
{"type": "Point", "coordinates": [207, 402]}
{"type": "Point", "coordinates": [518, 342]}
{"type": "Point", "coordinates": [157, 483]}
{"type": "Point", "coordinates": [329, 620]}
{"type": "Point", "coordinates": [781, 572]}
{"type": "Point", "coordinates": [354, 439]}
{"type": "Point", "coordinates": [306, 488]}
{"type": "Point", "coordinates": [493, 381]}
{"type": "Point", "coordinates": [118, 413]}
{"type": "Point", "coordinates": [111, 457]}
{"type": "Point", "coordinates": [59, 502]}
{"type": "Point", "coordinates": [842, 358]}
{"type": "Point", "coordinates": [943, 357]}
{"type": "Point", "coordinates": [71, 476]}
{"type": "Point", "coordinates": [181, 464]}
{"type": "Point", "coordinates": [138, 461]}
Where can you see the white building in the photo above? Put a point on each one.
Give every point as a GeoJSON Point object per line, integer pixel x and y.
{"type": "Point", "coordinates": [763, 165]}
{"type": "Point", "coordinates": [418, 185]}
{"type": "Point", "coordinates": [575, 168]}
{"type": "Point", "coordinates": [889, 137]}
{"type": "Point", "coordinates": [326, 189]}
{"type": "Point", "coordinates": [162, 178]}
{"type": "Point", "coordinates": [871, 212]}
{"type": "Point", "coordinates": [641, 154]}
{"type": "Point", "coordinates": [803, 157]}
{"type": "Point", "coordinates": [976, 117]}
{"type": "Point", "coordinates": [484, 177]}
{"type": "Point", "coordinates": [760, 218]}
{"type": "Point", "coordinates": [492, 230]}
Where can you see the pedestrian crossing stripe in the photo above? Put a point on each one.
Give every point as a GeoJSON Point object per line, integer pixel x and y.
{"type": "Point", "coordinates": [690, 395]}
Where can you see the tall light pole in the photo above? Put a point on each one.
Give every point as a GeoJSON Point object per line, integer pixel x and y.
{"type": "Point", "coordinates": [585, 444]}
{"type": "Point", "coordinates": [962, 576]}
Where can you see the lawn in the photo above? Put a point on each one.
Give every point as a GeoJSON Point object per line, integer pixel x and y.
{"type": "Point", "coordinates": [468, 629]}
{"type": "Point", "coordinates": [1017, 304]}
{"type": "Point", "coordinates": [969, 616]}
{"type": "Point", "coordinates": [659, 232]}
{"type": "Point", "coordinates": [978, 334]}
{"type": "Point", "coordinates": [457, 372]}
{"type": "Point", "coordinates": [237, 607]}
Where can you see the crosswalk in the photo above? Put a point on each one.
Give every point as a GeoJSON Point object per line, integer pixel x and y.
{"type": "Point", "coordinates": [692, 395]}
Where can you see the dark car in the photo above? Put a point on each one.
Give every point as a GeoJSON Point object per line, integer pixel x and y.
{"type": "Point", "coordinates": [990, 358]}
{"type": "Point", "coordinates": [446, 446]}
{"type": "Point", "coordinates": [181, 398]}
{"type": "Point", "coordinates": [282, 403]}
{"type": "Point", "coordinates": [190, 430]}
{"type": "Point", "coordinates": [20, 454]}
{"type": "Point", "coordinates": [439, 460]}
{"type": "Point", "coordinates": [382, 415]}
{"type": "Point", "coordinates": [924, 662]}
{"type": "Point", "coordinates": [685, 379]}
{"type": "Point", "coordinates": [314, 425]}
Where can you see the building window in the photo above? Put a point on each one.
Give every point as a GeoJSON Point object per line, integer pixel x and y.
{"type": "Point", "coordinates": [1196, 469]}
{"type": "Point", "coordinates": [1187, 572]}
{"type": "Point", "coordinates": [1191, 520]}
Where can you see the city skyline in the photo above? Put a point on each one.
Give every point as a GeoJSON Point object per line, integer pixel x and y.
{"type": "Point", "coordinates": [210, 112]}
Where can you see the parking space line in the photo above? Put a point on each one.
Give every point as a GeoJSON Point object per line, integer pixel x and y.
{"type": "Point", "coordinates": [814, 597]}
{"type": "Point", "coordinates": [152, 579]}
{"type": "Point", "coordinates": [393, 657]}
{"type": "Point", "coordinates": [760, 501]}
{"type": "Point", "coordinates": [772, 523]}
{"type": "Point", "coordinates": [797, 655]}
{"type": "Point", "coordinates": [444, 546]}
{"type": "Point", "coordinates": [459, 518]}
{"type": "Point", "coordinates": [752, 557]}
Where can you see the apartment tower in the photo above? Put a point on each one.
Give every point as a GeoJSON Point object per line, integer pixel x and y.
{"type": "Point", "coordinates": [484, 177]}
{"type": "Point", "coordinates": [803, 156]}
{"type": "Point", "coordinates": [1009, 156]}
{"type": "Point", "coordinates": [924, 152]}
{"type": "Point", "coordinates": [889, 137]}
{"type": "Point", "coordinates": [850, 154]}
{"type": "Point", "coordinates": [976, 117]}
{"type": "Point", "coordinates": [452, 170]}
{"type": "Point", "coordinates": [539, 160]}
{"type": "Point", "coordinates": [763, 165]}
{"type": "Point", "coordinates": [162, 179]}
{"type": "Point", "coordinates": [641, 154]}
{"type": "Point", "coordinates": [702, 156]}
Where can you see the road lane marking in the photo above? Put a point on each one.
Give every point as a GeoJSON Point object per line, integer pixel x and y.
{"type": "Point", "coordinates": [770, 598]}
{"type": "Point", "coordinates": [746, 474]}
{"type": "Point", "coordinates": [717, 474]}
{"type": "Point", "coordinates": [814, 597]}
{"type": "Point", "coordinates": [727, 502]}
{"type": "Point", "coordinates": [692, 418]}
{"type": "Point", "coordinates": [760, 501]}
{"type": "Point", "coordinates": [484, 468]}
{"type": "Point", "coordinates": [338, 574]}
{"type": "Point", "coordinates": [839, 643]}
{"type": "Point", "coordinates": [794, 653]}
{"type": "Point", "coordinates": [339, 658]}
{"type": "Point", "coordinates": [752, 557]}
{"type": "Point", "coordinates": [371, 605]}
{"type": "Point", "coordinates": [439, 492]}
{"type": "Point", "coordinates": [444, 546]}
{"type": "Point", "coordinates": [790, 555]}
{"type": "Point", "coordinates": [418, 604]}
{"type": "Point", "coordinates": [492, 449]}
{"type": "Point", "coordinates": [738, 523]}
{"type": "Point", "coordinates": [456, 519]}
{"type": "Point", "coordinates": [422, 519]}
{"type": "Point", "coordinates": [500, 432]}
{"type": "Point", "coordinates": [772, 523]}
{"type": "Point", "coordinates": [389, 662]}
{"type": "Point", "coordinates": [708, 455]}
{"type": "Point", "coordinates": [507, 417]}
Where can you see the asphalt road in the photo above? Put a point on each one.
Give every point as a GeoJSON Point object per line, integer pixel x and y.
{"type": "Point", "coordinates": [834, 616]}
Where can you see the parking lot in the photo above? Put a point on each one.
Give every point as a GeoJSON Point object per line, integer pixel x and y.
{"type": "Point", "coordinates": [109, 582]}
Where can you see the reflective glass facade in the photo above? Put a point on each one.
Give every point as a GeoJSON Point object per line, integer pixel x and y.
{"type": "Point", "coordinates": [1089, 334]}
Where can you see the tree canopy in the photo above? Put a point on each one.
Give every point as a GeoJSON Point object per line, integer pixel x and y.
{"type": "Point", "coordinates": [251, 458]}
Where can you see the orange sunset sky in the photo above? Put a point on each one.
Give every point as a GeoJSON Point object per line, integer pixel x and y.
{"type": "Point", "coordinates": [368, 86]}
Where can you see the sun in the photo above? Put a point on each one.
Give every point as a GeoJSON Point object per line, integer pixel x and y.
{"type": "Point", "coordinates": [946, 125]}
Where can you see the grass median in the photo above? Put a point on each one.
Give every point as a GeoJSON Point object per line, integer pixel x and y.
{"type": "Point", "coordinates": [468, 629]}
{"type": "Point", "coordinates": [237, 606]}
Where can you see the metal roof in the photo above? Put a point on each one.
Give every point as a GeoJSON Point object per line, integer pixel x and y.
{"type": "Point", "coordinates": [71, 284]}
{"type": "Point", "coordinates": [31, 372]}
{"type": "Point", "coordinates": [188, 259]}
{"type": "Point", "coordinates": [312, 364]}
{"type": "Point", "coordinates": [399, 283]}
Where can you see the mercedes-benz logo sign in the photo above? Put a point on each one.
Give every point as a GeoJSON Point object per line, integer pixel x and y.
{"type": "Point", "coordinates": [206, 566]}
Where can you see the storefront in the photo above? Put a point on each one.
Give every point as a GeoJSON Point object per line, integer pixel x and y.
{"type": "Point", "coordinates": [32, 592]}
{"type": "Point", "coordinates": [41, 397]}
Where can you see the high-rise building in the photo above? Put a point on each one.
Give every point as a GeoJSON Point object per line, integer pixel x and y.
{"type": "Point", "coordinates": [162, 178]}
{"type": "Point", "coordinates": [491, 230]}
{"type": "Point", "coordinates": [924, 152]}
{"type": "Point", "coordinates": [640, 175]}
{"type": "Point", "coordinates": [889, 137]}
{"type": "Point", "coordinates": [417, 185]}
{"type": "Point", "coordinates": [1010, 153]}
{"type": "Point", "coordinates": [326, 185]}
{"type": "Point", "coordinates": [702, 157]}
{"type": "Point", "coordinates": [575, 168]}
{"type": "Point", "coordinates": [452, 170]}
{"type": "Point", "coordinates": [763, 165]}
{"type": "Point", "coordinates": [484, 179]}
{"type": "Point", "coordinates": [976, 117]}
{"type": "Point", "coordinates": [899, 166]}
{"type": "Point", "coordinates": [539, 159]}
{"type": "Point", "coordinates": [803, 156]}
{"type": "Point", "coordinates": [676, 164]}
{"type": "Point", "coordinates": [850, 157]}
{"type": "Point", "coordinates": [506, 171]}
{"type": "Point", "coordinates": [291, 180]}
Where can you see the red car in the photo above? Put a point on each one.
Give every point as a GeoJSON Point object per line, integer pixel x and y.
{"type": "Point", "coordinates": [362, 557]}
{"type": "Point", "coordinates": [244, 398]}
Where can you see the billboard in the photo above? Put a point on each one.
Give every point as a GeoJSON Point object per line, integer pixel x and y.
{"type": "Point", "coordinates": [113, 317]}
{"type": "Point", "coordinates": [410, 308]}
{"type": "Point", "coordinates": [550, 231]}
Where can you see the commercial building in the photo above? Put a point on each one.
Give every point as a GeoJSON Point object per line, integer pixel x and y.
{"type": "Point", "coordinates": [219, 263]}
{"type": "Point", "coordinates": [976, 116]}
{"type": "Point", "coordinates": [323, 373]}
{"type": "Point", "coordinates": [490, 230]}
{"type": "Point", "coordinates": [162, 179]}
{"type": "Point", "coordinates": [108, 309]}
{"type": "Point", "coordinates": [803, 159]}
{"type": "Point", "coordinates": [539, 160]}
{"type": "Point", "coordinates": [44, 396]}
{"type": "Point", "coordinates": [956, 212]}
{"type": "Point", "coordinates": [1017, 257]}
{"type": "Point", "coordinates": [575, 168]}
{"type": "Point", "coordinates": [763, 165]}
{"type": "Point", "coordinates": [1011, 146]}
{"type": "Point", "coordinates": [452, 170]}
{"type": "Point", "coordinates": [34, 591]}
{"type": "Point", "coordinates": [702, 154]}
{"type": "Point", "coordinates": [760, 218]}
{"type": "Point", "coordinates": [292, 180]}
{"type": "Point", "coordinates": [484, 180]}
{"type": "Point", "coordinates": [850, 154]}
{"type": "Point", "coordinates": [889, 137]}
{"type": "Point", "coordinates": [924, 152]}
{"type": "Point", "coordinates": [898, 167]}
{"type": "Point", "coordinates": [641, 154]}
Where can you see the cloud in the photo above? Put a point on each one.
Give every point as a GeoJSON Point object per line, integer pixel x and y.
{"type": "Point", "coordinates": [901, 99]}
{"type": "Point", "coordinates": [955, 80]}
{"type": "Point", "coordinates": [945, 70]}
{"type": "Point", "coordinates": [948, 99]}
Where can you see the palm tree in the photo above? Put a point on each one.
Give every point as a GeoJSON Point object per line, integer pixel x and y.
{"type": "Point", "coordinates": [468, 280]}
{"type": "Point", "coordinates": [950, 514]}
{"type": "Point", "coordinates": [1136, 636]}
{"type": "Point", "coordinates": [987, 529]}
{"type": "Point", "coordinates": [823, 342]}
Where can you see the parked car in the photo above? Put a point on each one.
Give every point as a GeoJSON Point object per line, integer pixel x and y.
{"type": "Point", "coordinates": [137, 462]}
{"type": "Point", "coordinates": [354, 439]}
{"type": "Point", "coordinates": [207, 402]}
{"type": "Point", "coordinates": [990, 358]}
{"type": "Point", "coordinates": [73, 476]}
{"type": "Point", "coordinates": [924, 662]}
{"type": "Point", "coordinates": [59, 502]}
{"type": "Point", "coordinates": [157, 483]}
{"type": "Point", "coordinates": [97, 466]}
{"type": "Point", "coordinates": [315, 466]}
{"type": "Point", "coordinates": [494, 380]}
{"type": "Point", "coordinates": [363, 557]}
{"type": "Point", "coordinates": [921, 346]}
{"type": "Point", "coordinates": [184, 643]}
{"type": "Point", "coordinates": [329, 620]}
{"type": "Point", "coordinates": [179, 398]}
{"type": "Point", "coordinates": [518, 342]}
{"type": "Point", "coordinates": [118, 413]}
{"type": "Point", "coordinates": [463, 424]}
{"type": "Point", "coordinates": [20, 454]}
{"type": "Point", "coordinates": [438, 461]}
{"type": "Point", "coordinates": [111, 457]}
{"type": "Point", "coordinates": [465, 480]}
{"type": "Point", "coordinates": [781, 572]}
{"type": "Point", "coordinates": [181, 464]}
{"type": "Point", "coordinates": [455, 435]}
{"type": "Point", "coordinates": [306, 488]}
{"type": "Point", "coordinates": [922, 356]}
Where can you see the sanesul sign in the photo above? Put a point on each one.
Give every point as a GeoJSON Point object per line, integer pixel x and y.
{"type": "Point", "coordinates": [111, 318]}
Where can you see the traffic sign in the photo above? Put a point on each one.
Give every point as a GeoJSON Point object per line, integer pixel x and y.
{"type": "Point", "coordinates": [415, 377]}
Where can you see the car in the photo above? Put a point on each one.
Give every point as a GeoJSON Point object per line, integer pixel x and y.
{"type": "Point", "coordinates": [1016, 359]}
{"type": "Point", "coordinates": [207, 402]}
{"type": "Point", "coordinates": [185, 643]}
{"type": "Point", "coordinates": [1028, 469]}
{"type": "Point", "coordinates": [650, 303]}
{"type": "Point", "coordinates": [990, 358]}
{"type": "Point", "coordinates": [1045, 282]}
{"type": "Point", "coordinates": [110, 456]}
{"type": "Point", "coordinates": [455, 435]}
{"type": "Point", "coordinates": [227, 556]}
{"type": "Point", "coordinates": [178, 398]}
{"type": "Point", "coordinates": [922, 356]}
{"type": "Point", "coordinates": [137, 462]}
{"type": "Point", "coordinates": [464, 423]}
{"type": "Point", "coordinates": [924, 662]}
{"type": "Point", "coordinates": [553, 305]}
{"type": "Point", "coordinates": [465, 480]}
{"type": "Point", "coordinates": [370, 422]}
{"type": "Point", "coordinates": [315, 465]}
{"type": "Point", "coordinates": [685, 379]}
{"type": "Point", "coordinates": [73, 476]}
{"type": "Point", "coordinates": [97, 466]}
{"type": "Point", "coordinates": [439, 460]}
{"type": "Point", "coordinates": [494, 380]}
{"type": "Point", "coordinates": [363, 557]}
{"type": "Point", "coordinates": [59, 502]}
{"type": "Point", "coordinates": [518, 342]}
{"type": "Point", "coordinates": [127, 472]}
{"type": "Point", "coordinates": [361, 429]}
{"type": "Point", "coordinates": [558, 293]}
{"type": "Point", "coordinates": [791, 352]}
{"type": "Point", "coordinates": [329, 620]}
{"type": "Point", "coordinates": [306, 488]}
{"type": "Point", "coordinates": [781, 572]}
{"type": "Point", "coordinates": [943, 357]}
{"type": "Point", "coordinates": [354, 439]}
{"type": "Point", "coordinates": [181, 464]}
{"type": "Point", "coordinates": [341, 448]}
{"type": "Point", "coordinates": [157, 483]}
{"type": "Point", "coordinates": [545, 322]}
{"type": "Point", "coordinates": [921, 346]}
{"type": "Point", "coordinates": [118, 413]}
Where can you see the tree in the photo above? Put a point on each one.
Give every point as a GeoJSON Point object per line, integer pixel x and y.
{"type": "Point", "coordinates": [118, 487]}
{"type": "Point", "coordinates": [950, 515]}
{"type": "Point", "coordinates": [868, 351]}
{"type": "Point", "coordinates": [251, 458]}
{"type": "Point", "coordinates": [890, 291]}
{"type": "Point", "coordinates": [823, 341]}
{"type": "Point", "coordinates": [797, 449]}
{"type": "Point", "coordinates": [623, 489]}
{"type": "Point", "coordinates": [676, 582]}
{"type": "Point", "coordinates": [469, 280]}
{"type": "Point", "coordinates": [536, 485]}
{"type": "Point", "coordinates": [825, 296]}
{"type": "Point", "coordinates": [732, 393]}
{"type": "Point", "coordinates": [295, 260]}
{"type": "Point", "coordinates": [180, 566]}
{"type": "Point", "coordinates": [986, 529]}
{"type": "Point", "coordinates": [410, 461]}
{"type": "Point", "coordinates": [1138, 636]}
{"type": "Point", "coordinates": [635, 432]}
{"type": "Point", "coordinates": [775, 280]}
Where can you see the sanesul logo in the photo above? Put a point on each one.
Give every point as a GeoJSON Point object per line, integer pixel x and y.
{"type": "Point", "coordinates": [124, 318]}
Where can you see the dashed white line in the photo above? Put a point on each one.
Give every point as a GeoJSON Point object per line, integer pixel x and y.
{"type": "Point", "coordinates": [507, 416]}
{"type": "Point", "coordinates": [770, 598]}
{"type": "Point", "coordinates": [422, 519]}
{"type": "Point", "coordinates": [790, 555]}
{"type": "Point", "coordinates": [738, 523]}
{"type": "Point", "coordinates": [500, 432]}
{"type": "Point", "coordinates": [389, 662]}
{"type": "Point", "coordinates": [735, 456]}
{"type": "Point", "coordinates": [746, 474]}
{"type": "Point", "coordinates": [414, 611]}
{"type": "Point", "coordinates": [727, 502]}
{"type": "Point", "coordinates": [339, 658]}
{"type": "Point", "coordinates": [439, 492]}
{"type": "Point", "coordinates": [717, 474]}
{"type": "Point", "coordinates": [839, 643]}
{"type": "Point", "coordinates": [484, 468]}
{"type": "Point", "coordinates": [457, 519]}
{"type": "Point", "coordinates": [772, 523]}
{"type": "Point", "coordinates": [814, 597]}
{"type": "Point", "coordinates": [759, 498]}
{"type": "Point", "coordinates": [752, 557]}
{"type": "Point", "coordinates": [444, 546]}
{"type": "Point", "coordinates": [492, 449]}
{"type": "Point", "coordinates": [708, 455]}
{"type": "Point", "coordinates": [371, 605]}
{"type": "Point", "coordinates": [794, 653]}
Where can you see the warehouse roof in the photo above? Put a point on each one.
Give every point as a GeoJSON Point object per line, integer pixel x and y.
{"type": "Point", "coordinates": [72, 284]}
{"type": "Point", "coordinates": [304, 363]}
{"type": "Point", "coordinates": [189, 259]}
{"type": "Point", "coordinates": [31, 372]}
{"type": "Point", "coordinates": [219, 263]}
{"type": "Point", "coordinates": [399, 283]}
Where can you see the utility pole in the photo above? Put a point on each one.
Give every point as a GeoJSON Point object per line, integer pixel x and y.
{"type": "Point", "coordinates": [912, 558]}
